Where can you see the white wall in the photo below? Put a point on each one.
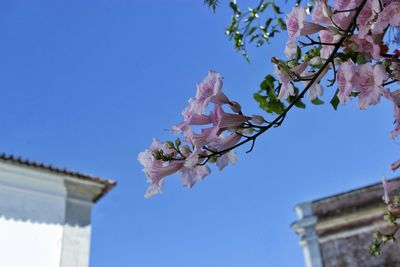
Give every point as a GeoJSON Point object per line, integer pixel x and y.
{"type": "Point", "coordinates": [29, 244]}
{"type": "Point", "coordinates": [44, 218]}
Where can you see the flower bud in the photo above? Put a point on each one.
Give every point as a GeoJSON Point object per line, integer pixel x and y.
{"type": "Point", "coordinates": [247, 131]}
{"type": "Point", "coordinates": [170, 144]}
{"type": "Point", "coordinates": [178, 142]}
{"type": "Point", "coordinates": [333, 30]}
{"type": "Point", "coordinates": [156, 154]}
{"type": "Point", "coordinates": [315, 61]}
{"type": "Point", "coordinates": [185, 150]}
{"type": "Point", "coordinates": [235, 106]}
{"type": "Point", "coordinates": [257, 119]}
{"type": "Point", "coordinates": [213, 159]}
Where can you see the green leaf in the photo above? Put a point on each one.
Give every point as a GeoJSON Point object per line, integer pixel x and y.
{"type": "Point", "coordinates": [259, 98]}
{"type": "Point", "coordinates": [335, 100]}
{"type": "Point", "coordinates": [300, 104]}
{"type": "Point", "coordinates": [264, 85]}
{"type": "Point", "coordinates": [212, 4]}
{"type": "Point", "coordinates": [245, 56]}
{"type": "Point", "coordinates": [267, 23]}
{"type": "Point", "coordinates": [255, 36]}
{"type": "Point", "coordinates": [361, 59]}
{"type": "Point", "coordinates": [267, 82]}
{"type": "Point", "coordinates": [276, 9]}
{"type": "Point", "coordinates": [252, 29]}
{"type": "Point", "coordinates": [276, 106]}
{"type": "Point", "coordinates": [264, 6]}
{"type": "Point", "coordinates": [281, 24]}
{"type": "Point", "coordinates": [298, 53]}
{"type": "Point", "coordinates": [317, 101]}
{"type": "Point", "coordinates": [234, 7]}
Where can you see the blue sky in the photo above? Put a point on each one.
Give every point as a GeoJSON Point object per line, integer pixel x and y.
{"type": "Point", "coordinates": [88, 84]}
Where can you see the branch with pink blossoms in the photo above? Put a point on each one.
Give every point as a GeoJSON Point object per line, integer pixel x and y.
{"type": "Point", "coordinates": [211, 133]}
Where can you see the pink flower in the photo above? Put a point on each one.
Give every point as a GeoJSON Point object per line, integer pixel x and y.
{"type": "Point", "coordinates": [210, 86]}
{"type": "Point", "coordinates": [206, 136]}
{"type": "Point", "coordinates": [164, 159]}
{"type": "Point", "coordinates": [395, 165]}
{"type": "Point", "coordinates": [156, 176]}
{"type": "Point", "coordinates": [390, 188]}
{"type": "Point", "coordinates": [190, 175]}
{"type": "Point", "coordinates": [369, 83]}
{"type": "Point", "coordinates": [285, 79]}
{"type": "Point", "coordinates": [290, 48]}
{"type": "Point", "coordinates": [343, 19]}
{"type": "Point", "coordinates": [321, 12]}
{"type": "Point", "coordinates": [225, 159]}
{"type": "Point", "coordinates": [327, 37]}
{"type": "Point", "coordinates": [315, 91]}
{"type": "Point", "coordinates": [389, 16]}
{"type": "Point", "coordinates": [157, 170]}
{"type": "Point", "coordinates": [396, 114]}
{"type": "Point", "coordinates": [208, 91]}
{"type": "Point", "coordinates": [296, 24]}
{"type": "Point", "coordinates": [286, 84]}
{"type": "Point", "coordinates": [192, 118]}
{"type": "Point", "coordinates": [346, 4]}
{"type": "Point", "coordinates": [395, 98]}
{"type": "Point", "coordinates": [345, 78]}
{"type": "Point", "coordinates": [226, 120]}
{"type": "Point", "coordinates": [191, 171]}
{"type": "Point", "coordinates": [367, 16]}
{"type": "Point", "coordinates": [223, 143]}
{"type": "Point", "coordinates": [367, 45]}
{"type": "Point", "coordinates": [311, 28]}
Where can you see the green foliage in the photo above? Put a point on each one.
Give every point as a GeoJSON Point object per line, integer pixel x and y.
{"type": "Point", "coordinates": [292, 99]}
{"type": "Point", "coordinates": [267, 97]}
{"type": "Point", "coordinates": [335, 100]}
{"type": "Point", "coordinates": [257, 25]}
{"type": "Point", "coordinates": [379, 239]}
{"type": "Point", "coordinates": [212, 4]}
{"type": "Point", "coordinates": [317, 101]}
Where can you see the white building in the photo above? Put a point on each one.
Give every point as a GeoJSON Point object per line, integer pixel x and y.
{"type": "Point", "coordinates": [45, 214]}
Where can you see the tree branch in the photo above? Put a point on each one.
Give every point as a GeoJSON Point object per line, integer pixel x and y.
{"type": "Point", "coordinates": [278, 120]}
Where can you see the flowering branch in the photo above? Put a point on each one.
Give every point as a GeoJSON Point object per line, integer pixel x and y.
{"type": "Point", "coordinates": [347, 26]}
{"type": "Point", "coordinates": [279, 119]}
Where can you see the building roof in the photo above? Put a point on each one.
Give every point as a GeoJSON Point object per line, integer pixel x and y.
{"type": "Point", "coordinates": [349, 201]}
{"type": "Point", "coordinates": [108, 184]}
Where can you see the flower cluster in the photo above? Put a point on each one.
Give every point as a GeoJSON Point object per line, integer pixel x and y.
{"type": "Point", "coordinates": [349, 39]}
{"type": "Point", "coordinates": [217, 132]}
{"type": "Point", "coordinates": [345, 39]}
{"type": "Point", "coordinates": [350, 35]}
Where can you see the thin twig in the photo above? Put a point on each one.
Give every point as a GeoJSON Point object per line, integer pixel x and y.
{"type": "Point", "coordinates": [278, 120]}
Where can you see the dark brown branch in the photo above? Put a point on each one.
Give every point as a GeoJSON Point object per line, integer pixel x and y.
{"type": "Point", "coordinates": [278, 120]}
{"type": "Point", "coordinates": [387, 83]}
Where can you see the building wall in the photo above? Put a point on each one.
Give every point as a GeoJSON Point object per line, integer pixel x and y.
{"type": "Point", "coordinates": [44, 219]}
{"type": "Point", "coordinates": [336, 231]}
{"type": "Point", "coordinates": [352, 251]}
{"type": "Point", "coordinates": [31, 220]}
